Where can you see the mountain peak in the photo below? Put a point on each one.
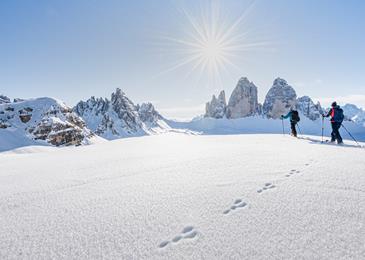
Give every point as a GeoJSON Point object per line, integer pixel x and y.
{"type": "Point", "coordinates": [243, 101]}
{"type": "Point", "coordinates": [118, 94]}
{"type": "Point", "coordinates": [4, 99]}
{"type": "Point", "coordinates": [118, 117]}
{"type": "Point", "coordinates": [280, 98]}
{"type": "Point", "coordinates": [280, 82]}
{"type": "Point", "coordinates": [243, 80]}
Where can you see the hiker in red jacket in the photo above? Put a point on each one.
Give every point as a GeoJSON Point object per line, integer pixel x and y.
{"type": "Point", "coordinates": [336, 114]}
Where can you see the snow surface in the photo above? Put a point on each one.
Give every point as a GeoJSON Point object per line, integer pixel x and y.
{"type": "Point", "coordinates": [175, 196]}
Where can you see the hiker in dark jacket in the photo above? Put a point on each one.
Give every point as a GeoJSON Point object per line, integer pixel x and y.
{"type": "Point", "coordinates": [294, 119]}
{"type": "Point", "coordinates": [336, 114]}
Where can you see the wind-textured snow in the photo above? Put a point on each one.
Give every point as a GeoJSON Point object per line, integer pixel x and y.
{"type": "Point", "coordinates": [176, 196]}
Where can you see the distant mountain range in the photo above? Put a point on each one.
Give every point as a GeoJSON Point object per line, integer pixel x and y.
{"type": "Point", "coordinates": [243, 103]}
{"type": "Point", "coordinates": [47, 121]}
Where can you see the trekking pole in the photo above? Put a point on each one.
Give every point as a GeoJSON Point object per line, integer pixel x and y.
{"type": "Point", "coordinates": [322, 127]}
{"type": "Point", "coordinates": [353, 138]}
{"type": "Point", "coordinates": [282, 122]}
{"type": "Point", "coordinates": [300, 131]}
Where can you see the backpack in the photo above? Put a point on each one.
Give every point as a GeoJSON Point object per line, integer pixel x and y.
{"type": "Point", "coordinates": [338, 116]}
{"type": "Point", "coordinates": [295, 116]}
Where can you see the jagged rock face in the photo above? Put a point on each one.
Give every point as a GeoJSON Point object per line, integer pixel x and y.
{"type": "Point", "coordinates": [280, 98]}
{"type": "Point", "coordinates": [126, 110]}
{"type": "Point", "coordinates": [259, 109]}
{"type": "Point", "coordinates": [117, 117]}
{"type": "Point", "coordinates": [111, 119]}
{"type": "Point", "coordinates": [148, 114]}
{"type": "Point", "coordinates": [243, 101]}
{"type": "Point", "coordinates": [354, 113]}
{"type": "Point", "coordinates": [99, 106]}
{"type": "Point", "coordinates": [18, 100]}
{"type": "Point", "coordinates": [44, 119]}
{"type": "Point", "coordinates": [307, 107]}
{"type": "Point", "coordinates": [216, 108]}
{"type": "Point", "coordinates": [59, 132]}
{"type": "Point", "coordinates": [4, 99]}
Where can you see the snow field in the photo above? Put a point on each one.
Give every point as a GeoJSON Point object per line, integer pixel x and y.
{"type": "Point", "coordinates": [175, 196]}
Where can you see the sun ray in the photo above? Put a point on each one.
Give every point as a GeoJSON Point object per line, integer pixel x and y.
{"type": "Point", "coordinates": [212, 44]}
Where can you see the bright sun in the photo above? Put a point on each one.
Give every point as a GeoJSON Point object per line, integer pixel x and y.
{"type": "Point", "coordinates": [212, 44]}
{"type": "Point", "coordinates": [212, 51]}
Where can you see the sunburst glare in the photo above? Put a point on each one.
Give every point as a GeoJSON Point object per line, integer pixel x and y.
{"type": "Point", "coordinates": [212, 43]}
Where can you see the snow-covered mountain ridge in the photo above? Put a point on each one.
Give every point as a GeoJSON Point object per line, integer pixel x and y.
{"type": "Point", "coordinates": [119, 117]}
{"type": "Point", "coordinates": [48, 121]}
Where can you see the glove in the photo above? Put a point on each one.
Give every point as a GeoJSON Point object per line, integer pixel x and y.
{"type": "Point", "coordinates": [281, 116]}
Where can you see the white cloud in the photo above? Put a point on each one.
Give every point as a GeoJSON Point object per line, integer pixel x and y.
{"type": "Point", "coordinates": [358, 100]}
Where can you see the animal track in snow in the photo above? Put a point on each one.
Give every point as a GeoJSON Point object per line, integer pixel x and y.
{"type": "Point", "coordinates": [292, 172]}
{"type": "Point", "coordinates": [188, 232]}
{"type": "Point", "coordinates": [267, 186]}
{"type": "Point", "coordinates": [238, 203]}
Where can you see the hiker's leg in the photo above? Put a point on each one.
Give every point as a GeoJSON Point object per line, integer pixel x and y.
{"type": "Point", "coordinates": [333, 134]}
{"type": "Point", "coordinates": [293, 129]}
{"type": "Point", "coordinates": [339, 138]}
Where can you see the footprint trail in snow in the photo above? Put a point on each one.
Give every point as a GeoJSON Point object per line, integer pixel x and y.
{"type": "Point", "coordinates": [188, 232]}
{"type": "Point", "coordinates": [292, 172]}
{"type": "Point", "coordinates": [238, 204]}
{"type": "Point", "coordinates": [266, 187]}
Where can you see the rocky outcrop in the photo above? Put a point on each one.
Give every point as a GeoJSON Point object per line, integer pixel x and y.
{"type": "Point", "coordinates": [306, 106]}
{"type": "Point", "coordinates": [216, 108]}
{"type": "Point", "coordinates": [118, 117]}
{"type": "Point", "coordinates": [111, 119]}
{"type": "Point", "coordinates": [44, 119]}
{"type": "Point", "coordinates": [280, 98]}
{"type": "Point", "coordinates": [125, 110]}
{"type": "Point", "coordinates": [4, 99]}
{"type": "Point", "coordinates": [65, 132]}
{"type": "Point", "coordinates": [354, 113]}
{"type": "Point", "coordinates": [18, 100]}
{"type": "Point", "coordinates": [148, 114]}
{"type": "Point", "coordinates": [243, 101]}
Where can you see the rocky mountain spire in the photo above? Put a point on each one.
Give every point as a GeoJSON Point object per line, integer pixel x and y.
{"type": "Point", "coordinates": [307, 107]}
{"type": "Point", "coordinates": [148, 114]}
{"type": "Point", "coordinates": [216, 108]}
{"type": "Point", "coordinates": [280, 98]}
{"type": "Point", "coordinates": [243, 101]}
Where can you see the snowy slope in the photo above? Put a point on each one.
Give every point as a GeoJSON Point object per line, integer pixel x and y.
{"type": "Point", "coordinates": [263, 125]}
{"type": "Point", "coordinates": [184, 197]}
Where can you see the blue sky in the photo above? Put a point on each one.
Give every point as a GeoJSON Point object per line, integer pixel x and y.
{"type": "Point", "coordinates": [74, 49]}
